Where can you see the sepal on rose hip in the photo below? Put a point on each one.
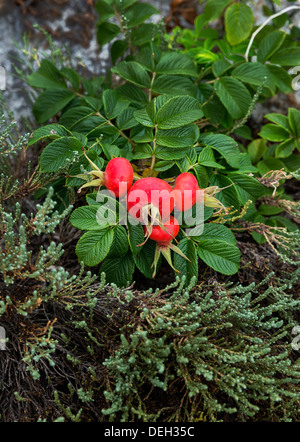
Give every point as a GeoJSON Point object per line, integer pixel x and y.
{"type": "Point", "coordinates": [165, 250]}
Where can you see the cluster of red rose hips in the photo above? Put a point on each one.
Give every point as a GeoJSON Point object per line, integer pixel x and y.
{"type": "Point", "coordinates": [151, 200]}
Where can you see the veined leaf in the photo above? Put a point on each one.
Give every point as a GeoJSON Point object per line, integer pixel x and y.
{"type": "Point", "coordinates": [138, 13]}
{"type": "Point", "coordinates": [272, 132]}
{"type": "Point", "coordinates": [225, 145]}
{"type": "Point", "coordinates": [179, 137]}
{"type": "Point", "coordinates": [50, 102]}
{"type": "Point", "coordinates": [187, 268]}
{"type": "Point", "coordinates": [176, 63]}
{"type": "Point", "coordinates": [94, 246]}
{"type": "Point", "coordinates": [133, 72]}
{"type": "Point", "coordinates": [57, 153]}
{"type": "Point", "coordinates": [93, 217]}
{"type": "Point", "coordinates": [51, 131]}
{"type": "Point", "coordinates": [213, 231]}
{"type": "Point", "coordinates": [119, 270]}
{"type": "Point", "coordinates": [219, 255]}
{"type": "Point", "coordinates": [234, 95]}
{"type": "Point", "coordinates": [47, 77]}
{"type": "Point", "coordinates": [113, 104]}
{"type": "Point", "coordinates": [239, 21]}
{"type": "Point", "coordinates": [178, 111]}
{"type": "Point", "coordinates": [269, 45]}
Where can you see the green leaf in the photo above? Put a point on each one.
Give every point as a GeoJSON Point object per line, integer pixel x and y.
{"type": "Point", "coordinates": [268, 164]}
{"type": "Point", "coordinates": [76, 114]}
{"type": "Point", "coordinates": [47, 77]}
{"type": "Point", "coordinates": [133, 72]}
{"type": "Point", "coordinates": [219, 255]}
{"type": "Point", "coordinates": [234, 96]}
{"type": "Point", "coordinates": [57, 153]}
{"type": "Point", "coordinates": [214, 231]}
{"type": "Point", "coordinates": [145, 258]}
{"type": "Point", "coordinates": [253, 73]}
{"type": "Point", "coordinates": [136, 236]}
{"type": "Point", "coordinates": [189, 269]}
{"type": "Point", "coordinates": [173, 85]}
{"type": "Point", "coordinates": [94, 246]}
{"type": "Point", "coordinates": [106, 32]}
{"type": "Point", "coordinates": [223, 144]}
{"type": "Point", "coordinates": [248, 184]}
{"type": "Point", "coordinates": [119, 271]}
{"type": "Point", "coordinates": [269, 45]}
{"type": "Point", "coordinates": [93, 217]}
{"type": "Point", "coordinates": [294, 121]}
{"type": "Point", "coordinates": [179, 137]}
{"type": "Point", "coordinates": [285, 149]}
{"type": "Point", "coordinates": [214, 8]}
{"type": "Point", "coordinates": [256, 149]}
{"type": "Point", "coordinates": [113, 104]}
{"type": "Point", "coordinates": [146, 116]}
{"type": "Point", "coordinates": [138, 13]}
{"type": "Point", "coordinates": [120, 245]}
{"type": "Point", "coordinates": [126, 119]}
{"type": "Point", "coordinates": [169, 153]}
{"type": "Point", "coordinates": [281, 78]}
{"type": "Point", "coordinates": [178, 111]}
{"type": "Point", "coordinates": [206, 158]}
{"type": "Point", "coordinates": [50, 102]}
{"type": "Point", "coordinates": [272, 132]}
{"type": "Point", "coordinates": [104, 10]}
{"type": "Point", "coordinates": [229, 196]}
{"type": "Point", "coordinates": [239, 22]}
{"type": "Point", "coordinates": [287, 57]}
{"type": "Point", "coordinates": [51, 131]}
{"type": "Point", "coordinates": [280, 119]}
{"type": "Point", "coordinates": [176, 63]}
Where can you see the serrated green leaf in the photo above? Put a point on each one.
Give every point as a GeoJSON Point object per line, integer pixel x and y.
{"type": "Point", "coordinates": [47, 77]}
{"type": "Point", "coordinates": [176, 63]}
{"type": "Point", "coordinates": [213, 231]}
{"type": "Point", "coordinates": [287, 57]}
{"type": "Point", "coordinates": [138, 13]}
{"type": "Point", "coordinates": [120, 245]}
{"type": "Point", "coordinates": [294, 121]}
{"type": "Point", "coordinates": [187, 268]}
{"type": "Point", "coordinates": [253, 73]}
{"type": "Point", "coordinates": [113, 104]}
{"type": "Point", "coordinates": [173, 85]}
{"type": "Point", "coordinates": [126, 119]}
{"type": "Point", "coordinates": [58, 152]}
{"type": "Point", "coordinates": [272, 132]}
{"type": "Point", "coordinates": [51, 131]}
{"type": "Point", "coordinates": [145, 258]}
{"type": "Point", "coordinates": [136, 236]}
{"type": "Point", "coordinates": [178, 111]}
{"type": "Point", "coordinates": [179, 137]}
{"type": "Point", "coordinates": [256, 149]}
{"type": "Point", "coordinates": [93, 217]}
{"type": "Point", "coordinates": [119, 271]}
{"type": "Point", "coordinates": [269, 45]}
{"type": "Point", "coordinates": [239, 22]}
{"type": "Point", "coordinates": [50, 102]}
{"type": "Point", "coordinates": [223, 144]}
{"type": "Point", "coordinates": [219, 255]}
{"type": "Point", "coordinates": [133, 72]}
{"type": "Point", "coordinates": [106, 32]}
{"type": "Point", "coordinates": [94, 246]}
{"type": "Point", "coordinates": [234, 95]}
